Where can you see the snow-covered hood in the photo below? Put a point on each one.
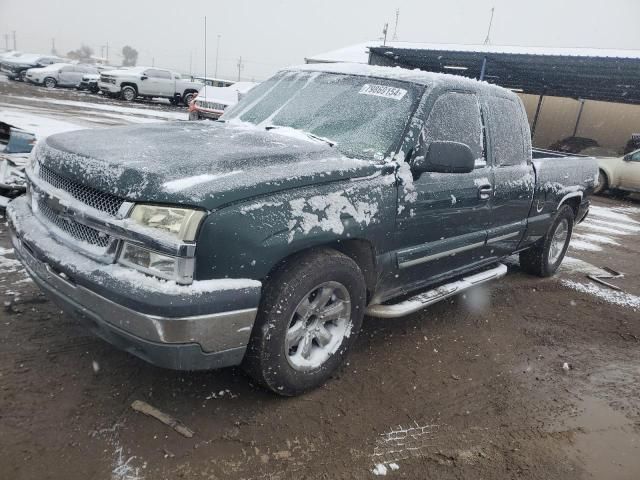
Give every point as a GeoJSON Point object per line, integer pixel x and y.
{"type": "Point", "coordinates": [206, 164]}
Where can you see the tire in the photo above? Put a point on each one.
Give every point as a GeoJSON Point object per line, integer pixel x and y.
{"type": "Point", "coordinates": [50, 82]}
{"type": "Point", "coordinates": [603, 183]}
{"type": "Point", "coordinates": [187, 97]}
{"type": "Point", "coordinates": [128, 93]}
{"type": "Point", "coordinates": [285, 353]}
{"type": "Point", "coordinates": [544, 258]}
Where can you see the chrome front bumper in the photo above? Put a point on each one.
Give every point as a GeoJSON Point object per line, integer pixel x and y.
{"type": "Point", "coordinates": [194, 342]}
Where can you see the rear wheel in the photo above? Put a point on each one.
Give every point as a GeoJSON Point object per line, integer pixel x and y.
{"type": "Point", "coordinates": [544, 258]}
{"type": "Point", "coordinates": [603, 183]}
{"type": "Point", "coordinates": [128, 93]}
{"type": "Point", "coordinates": [310, 315]}
{"type": "Point", "coordinates": [50, 82]}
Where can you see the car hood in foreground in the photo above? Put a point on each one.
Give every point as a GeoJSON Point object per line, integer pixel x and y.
{"type": "Point", "coordinates": [206, 164]}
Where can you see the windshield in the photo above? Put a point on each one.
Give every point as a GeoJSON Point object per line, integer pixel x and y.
{"type": "Point", "coordinates": [364, 116]}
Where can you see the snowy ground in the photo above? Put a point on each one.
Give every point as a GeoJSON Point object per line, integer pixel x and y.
{"type": "Point", "coordinates": [540, 380]}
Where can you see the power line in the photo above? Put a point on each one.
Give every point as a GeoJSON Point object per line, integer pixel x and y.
{"type": "Point", "coordinates": [486, 40]}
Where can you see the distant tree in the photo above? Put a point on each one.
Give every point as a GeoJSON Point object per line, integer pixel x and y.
{"type": "Point", "coordinates": [83, 54]}
{"type": "Point", "coordinates": [130, 56]}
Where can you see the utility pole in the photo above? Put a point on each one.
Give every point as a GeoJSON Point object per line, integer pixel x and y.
{"type": "Point", "coordinates": [240, 67]}
{"type": "Point", "coordinates": [395, 28]}
{"type": "Point", "coordinates": [14, 40]}
{"type": "Point", "coordinates": [486, 40]}
{"type": "Point", "coordinates": [205, 49]}
{"type": "Point", "coordinates": [153, 61]}
{"type": "Point", "coordinates": [215, 74]}
{"type": "Point", "coordinates": [107, 56]}
{"type": "Point", "coordinates": [384, 32]}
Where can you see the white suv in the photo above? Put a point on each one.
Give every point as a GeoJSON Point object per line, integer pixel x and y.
{"type": "Point", "coordinates": [147, 82]}
{"type": "Point", "coordinates": [59, 75]}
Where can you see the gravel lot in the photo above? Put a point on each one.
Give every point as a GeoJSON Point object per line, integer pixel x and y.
{"type": "Point", "coordinates": [470, 388]}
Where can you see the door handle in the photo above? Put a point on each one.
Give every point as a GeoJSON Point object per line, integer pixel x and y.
{"type": "Point", "coordinates": [484, 191]}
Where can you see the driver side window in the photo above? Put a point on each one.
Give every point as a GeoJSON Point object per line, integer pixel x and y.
{"type": "Point", "coordinates": [455, 117]}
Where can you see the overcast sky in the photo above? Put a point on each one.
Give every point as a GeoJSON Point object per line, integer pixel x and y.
{"type": "Point", "coordinates": [275, 33]}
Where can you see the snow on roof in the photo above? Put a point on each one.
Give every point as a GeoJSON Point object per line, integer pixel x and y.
{"type": "Point", "coordinates": [518, 50]}
{"type": "Point", "coordinates": [393, 73]}
{"type": "Point", "coordinates": [359, 53]}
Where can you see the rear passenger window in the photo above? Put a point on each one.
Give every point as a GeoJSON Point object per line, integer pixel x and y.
{"type": "Point", "coordinates": [508, 142]}
{"type": "Point", "coordinates": [455, 117]}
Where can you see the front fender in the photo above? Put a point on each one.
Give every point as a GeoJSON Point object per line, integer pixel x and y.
{"type": "Point", "coordinates": [248, 239]}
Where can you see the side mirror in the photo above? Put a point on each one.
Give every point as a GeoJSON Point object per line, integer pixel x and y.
{"type": "Point", "coordinates": [627, 157]}
{"type": "Point", "coordinates": [143, 77]}
{"type": "Point", "coordinates": [445, 157]}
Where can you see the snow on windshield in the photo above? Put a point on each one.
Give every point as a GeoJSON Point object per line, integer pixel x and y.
{"type": "Point", "coordinates": [364, 116]}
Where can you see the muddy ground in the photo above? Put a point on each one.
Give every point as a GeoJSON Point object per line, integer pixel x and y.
{"type": "Point", "coordinates": [466, 389]}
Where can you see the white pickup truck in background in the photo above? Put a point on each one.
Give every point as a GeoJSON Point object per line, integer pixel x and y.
{"type": "Point", "coordinates": [211, 102]}
{"type": "Point", "coordinates": [148, 82]}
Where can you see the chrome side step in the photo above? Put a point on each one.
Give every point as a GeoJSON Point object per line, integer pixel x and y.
{"type": "Point", "coordinates": [424, 299]}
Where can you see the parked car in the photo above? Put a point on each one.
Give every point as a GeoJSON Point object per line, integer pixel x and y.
{"type": "Point", "coordinates": [90, 82]}
{"type": "Point", "coordinates": [211, 102]}
{"type": "Point", "coordinates": [621, 174]}
{"type": "Point", "coordinates": [60, 74]}
{"type": "Point", "coordinates": [16, 144]}
{"type": "Point", "coordinates": [147, 82]}
{"type": "Point", "coordinates": [262, 239]}
{"type": "Point", "coordinates": [16, 67]}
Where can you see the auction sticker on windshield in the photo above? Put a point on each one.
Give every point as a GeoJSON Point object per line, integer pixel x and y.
{"type": "Point", "coordinates": [383, 91]}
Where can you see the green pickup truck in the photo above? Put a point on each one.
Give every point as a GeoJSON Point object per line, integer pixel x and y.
{"type": "Point", "coordinates": [326, 194]}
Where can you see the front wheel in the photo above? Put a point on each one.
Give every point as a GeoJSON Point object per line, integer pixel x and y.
{"type": "Point", "coordinates": [311, 313]}
{"type": "Point", "coordinates": [50, 82]}
{"type": "Point", "coordinates": [128, 94]}
{"type": "Point", "coordinates": [544, 258]}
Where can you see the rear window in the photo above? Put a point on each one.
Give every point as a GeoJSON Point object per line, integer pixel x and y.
{"type": "Point", "coordinates": [508, 140]}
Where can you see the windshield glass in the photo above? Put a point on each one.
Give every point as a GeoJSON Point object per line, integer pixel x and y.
{"type": "Point", "coordinates": [364, 116]}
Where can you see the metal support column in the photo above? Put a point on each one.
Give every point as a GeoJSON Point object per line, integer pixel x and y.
{"type": "Point", "coordinates": [575, 130]}
{"type": "Point", "coordinates": [483, 69]}
{"type": "Point", "coordinates": [536, 116]}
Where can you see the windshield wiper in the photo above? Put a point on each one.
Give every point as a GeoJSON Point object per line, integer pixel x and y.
{"type": "Point", "coordinates": [328, 141]}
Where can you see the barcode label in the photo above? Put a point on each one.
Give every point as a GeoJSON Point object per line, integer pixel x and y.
{"type": "Point", "coordinates": [383, 91]}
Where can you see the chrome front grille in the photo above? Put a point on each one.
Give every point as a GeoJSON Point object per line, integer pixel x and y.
{"type": "Point", "coordinates": [73, 228]}
{"type": "Point", "coordinates": [104, 202]}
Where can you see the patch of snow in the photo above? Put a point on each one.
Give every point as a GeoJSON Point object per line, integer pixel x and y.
{"type": "Point", "coordinates": [326, 211]}
{"type": "Point", "coordinates": [40, 125]}
{"type": "Point", "coordinates": [188, 182]}
{"type": "Point", "coordinates": [588, 224]}
{"type": "Point", "coordinates": [406, 177]}
{"type": "Point", "coordinates": [617, 215]}
{"type": "Point", "coordinates": [595, 238]}
{"type": "Point", "coordinates": [110, 108]}
{"type": "Point", "coordinates": [610, 296]}
{"type": "Point", "coordinates": [577, 244]}
{"type": "Point", "coordinates": [379, 469]}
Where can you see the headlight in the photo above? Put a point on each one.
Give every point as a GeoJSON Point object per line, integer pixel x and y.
{"type": "Point", "coordinates": [182, 223]}
{"type": "Point", "coordinates": [179, 269]}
